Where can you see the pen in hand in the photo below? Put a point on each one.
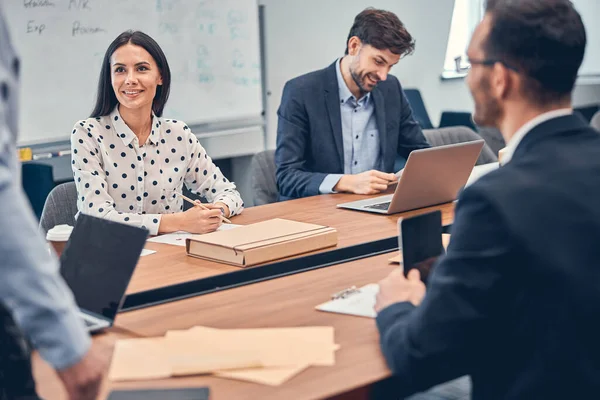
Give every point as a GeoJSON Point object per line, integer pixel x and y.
{"type": "Point", "coordinates": [398, 175]}
{"type": "Point", "coordinates": [202, 206]}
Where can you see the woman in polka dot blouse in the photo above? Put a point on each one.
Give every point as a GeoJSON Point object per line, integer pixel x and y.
{"type": "Point", "coordinates": [129, 163]}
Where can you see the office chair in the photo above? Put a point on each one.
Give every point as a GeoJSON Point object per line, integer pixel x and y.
{"type": "Point", "coordinates": [263, 180]}
{"type": "Point", "coordinates": [418, 107]}
{"type": "Point", "coordinates": [60, 207]}
{"type": "Point", "coordinates": [587, 112]}
{"type": "Point", "coordinates": [492, 136]}
{"type": "Point", "coordinates": [459, 134]}
{"type": "Point", "coordinates": [37, 180]}
{"type": "Point", "coordinates": [595, 122]}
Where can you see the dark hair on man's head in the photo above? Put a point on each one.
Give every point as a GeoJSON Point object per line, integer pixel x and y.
{"type": "Point", "coordinates": [382, 30]}
{"type": "Point", "coordinates": [106, 100]}
{"type": "Point", "coordinates": [544, 40]}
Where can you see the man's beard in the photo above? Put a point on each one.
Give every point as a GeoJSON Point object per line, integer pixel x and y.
{"type": "Point", "coordinates": [359, 80]}
{"type": "Point", "coordinates": [487, 109]}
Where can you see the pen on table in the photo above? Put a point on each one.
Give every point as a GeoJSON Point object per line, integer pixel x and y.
{"type": "Point", "coordinates": [197, 203]}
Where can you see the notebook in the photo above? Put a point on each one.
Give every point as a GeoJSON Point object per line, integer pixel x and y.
{"type": "Point", "coordinates": [261, 242]}
{"type": "Point", "coordinates": [353, 301]}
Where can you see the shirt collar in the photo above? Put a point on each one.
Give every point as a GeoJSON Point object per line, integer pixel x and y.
{"type": "Point", "coordinates": [127, 135]}
{"type": "Point", "coordinates": [344, 91]}
{"type": "Point", "coordinates": [514, 142]}
{"type": "Point", "coordinates": [155, 131]}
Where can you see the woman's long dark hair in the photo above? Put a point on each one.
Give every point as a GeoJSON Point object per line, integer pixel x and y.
{"type": "Point", "coordinates": [106, 100]}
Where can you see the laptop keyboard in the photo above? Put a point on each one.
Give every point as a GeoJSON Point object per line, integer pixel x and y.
{"type": "Point", "coordinates": [380, 206]}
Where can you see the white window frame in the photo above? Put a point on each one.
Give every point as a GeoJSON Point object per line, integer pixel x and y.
{"type": "Point", "coordinates": [465, 17]}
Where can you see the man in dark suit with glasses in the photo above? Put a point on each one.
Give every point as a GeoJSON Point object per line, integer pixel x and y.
{"type": "Point", "coordinates": [514, 301]}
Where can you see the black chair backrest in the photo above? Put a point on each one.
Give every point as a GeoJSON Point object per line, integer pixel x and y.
{"type": "Point", "coordinates": [418, 107]}
{"type": "Point", "coordinates": [38, 181]}
{"type": "Point", "coordinates": [587, 112]}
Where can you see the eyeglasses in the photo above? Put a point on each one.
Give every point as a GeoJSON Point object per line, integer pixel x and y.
{"type": "Point", "coordinates": [486, 62]}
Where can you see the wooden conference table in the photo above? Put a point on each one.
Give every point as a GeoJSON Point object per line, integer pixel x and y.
{"type": "Point", "coordinates": [170, 265]}
{"type": "Point", "coordinates": [282, 302]}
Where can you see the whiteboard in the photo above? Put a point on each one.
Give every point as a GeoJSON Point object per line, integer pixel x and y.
{"type": "Point", "coordinates": [212, 47]}
{"type": "Point", "coordinates": [590, 12]}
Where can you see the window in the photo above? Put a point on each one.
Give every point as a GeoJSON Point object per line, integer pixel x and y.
{"type": "Point", "coordinates": [465, 16]}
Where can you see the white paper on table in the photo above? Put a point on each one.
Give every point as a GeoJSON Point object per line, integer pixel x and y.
{"type": "Point", "coordinates": [147, 252]}
{"type": "Point", "coordinates": [178, 238]}
{"type": "Point", "coordinates": [226, 227]}
{"type": "Point", "coordinates": [361, 302]}
{"type": "Point", "coordinates": [175, 238]}
{"type": "Point", "coordinates": [481, 170]}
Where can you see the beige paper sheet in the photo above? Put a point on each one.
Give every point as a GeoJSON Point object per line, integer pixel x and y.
{"type": "Point", "coordinates": [266, 356]}
{"type": "Point", "coordinates": [273, 376]}
{"type": "Point", "coordinates": [139, 359]}
{"type": "Point", "coordinates": [273, 347]}
{"type": "Point", "coordinates": [187, 357]}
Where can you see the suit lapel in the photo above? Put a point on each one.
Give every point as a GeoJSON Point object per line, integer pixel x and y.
{"type": "Point", "coordinates": [379, 104]}
{"type": "Point", "coordinates": [332, 99]}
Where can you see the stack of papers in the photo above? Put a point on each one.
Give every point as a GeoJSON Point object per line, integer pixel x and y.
{"type": "Point", "coordinates": [269, 356]}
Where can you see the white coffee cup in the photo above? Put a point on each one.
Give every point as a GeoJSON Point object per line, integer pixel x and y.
{"type": "Point", "coordinates": [58, 237]}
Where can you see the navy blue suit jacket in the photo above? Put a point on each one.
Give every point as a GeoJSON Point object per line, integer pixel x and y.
{"type": "Point", "coordinates": [515, 302]}
{"type": "Point", "coordinates": [309, 130]}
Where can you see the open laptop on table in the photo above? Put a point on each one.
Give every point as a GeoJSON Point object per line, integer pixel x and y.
{"type": "Point", "coordinates": [97, 264]}
{"type": "Point", "coordinates": [431, 176]}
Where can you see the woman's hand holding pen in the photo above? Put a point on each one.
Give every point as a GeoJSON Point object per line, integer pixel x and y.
{"type": "Point", "coordinates": [194, 220]}
{"type": "Point", "coordinates": [219, 206]}
{"type": "Point", "coordinates": [199, 220]}
{"type": "Point", "coordinates": [202, 218]}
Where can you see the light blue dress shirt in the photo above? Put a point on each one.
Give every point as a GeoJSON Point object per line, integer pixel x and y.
{"type": "Point", "coordinates": [359, 133]}
{"type": "Point", "coordinates": [30, 284]}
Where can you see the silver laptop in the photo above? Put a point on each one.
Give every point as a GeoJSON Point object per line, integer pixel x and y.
{"type": "Point", "coordinates": [97, 264]}
{"type": "Point", "coordinates": [431, 176]}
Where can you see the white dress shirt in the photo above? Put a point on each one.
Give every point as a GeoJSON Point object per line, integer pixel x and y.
{"type": "Point", "coordinates": [120, 180]}
{"type": "Point", "coordinates": [513, 143]}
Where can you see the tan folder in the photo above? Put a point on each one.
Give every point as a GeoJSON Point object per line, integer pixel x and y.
{"type": "Point", "coordinates": [261, 242]}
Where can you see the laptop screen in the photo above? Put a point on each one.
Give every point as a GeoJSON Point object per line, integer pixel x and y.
{"type": "Point", "coordinates": [98, 262]}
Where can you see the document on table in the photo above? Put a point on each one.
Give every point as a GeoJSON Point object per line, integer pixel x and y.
{"type": "Point", "coordinates": [268, 356]}
{"type": "Point", "coordinates": [178, 238]}
{"type": "Point", "coordinates": [359, 302]}
{"type": "Point", "coordinates": [481, 170]}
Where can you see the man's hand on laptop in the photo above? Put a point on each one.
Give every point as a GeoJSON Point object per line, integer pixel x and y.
{"type": "Point", "coordinates": [82, 380]}
{"type": "Point", "coordinates": [369, 182]}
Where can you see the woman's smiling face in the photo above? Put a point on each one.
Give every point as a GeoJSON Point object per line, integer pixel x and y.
{"type": "Point", "coordinates": [134, 77]}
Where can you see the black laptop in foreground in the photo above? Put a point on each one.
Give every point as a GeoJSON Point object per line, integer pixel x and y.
{"type": "Point", "coordinates": [97, 264]}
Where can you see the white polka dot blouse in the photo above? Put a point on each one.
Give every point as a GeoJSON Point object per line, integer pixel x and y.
{"type": "Point", "coordinates": [120, 180]}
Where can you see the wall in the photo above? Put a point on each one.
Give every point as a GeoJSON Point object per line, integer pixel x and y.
{"type": "Point", "coordinates": [304, 35]}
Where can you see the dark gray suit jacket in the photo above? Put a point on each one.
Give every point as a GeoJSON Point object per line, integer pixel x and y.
{"type": "Point", "coordinates": [309, 130]}
{"type": "Point", "coordinates": [515, 301]}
